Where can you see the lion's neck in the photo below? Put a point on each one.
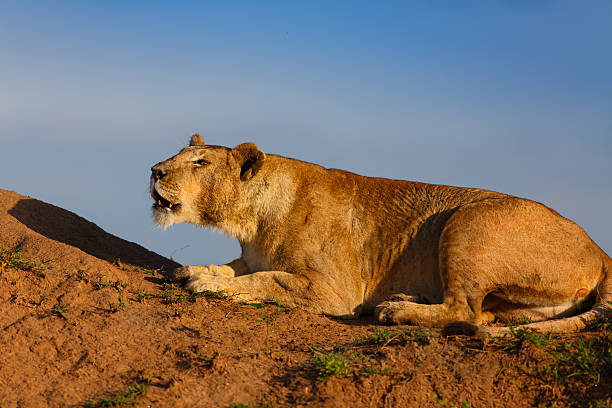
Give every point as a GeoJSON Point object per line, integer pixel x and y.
{"type": "Point", "coordinates": [264, 201]}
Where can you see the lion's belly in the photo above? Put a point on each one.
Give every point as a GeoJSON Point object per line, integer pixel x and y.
{"type": "Point", "coordinates": [414, 276]}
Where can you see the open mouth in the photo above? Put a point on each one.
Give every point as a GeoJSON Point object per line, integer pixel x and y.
{"type": "Point", "coordinates": [161, 202]}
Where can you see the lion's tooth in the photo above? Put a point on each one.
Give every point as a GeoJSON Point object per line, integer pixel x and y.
{"type": "Point", "coordinates": [170, 205]}
{"type": "Point", "coordinates": [159, 203]}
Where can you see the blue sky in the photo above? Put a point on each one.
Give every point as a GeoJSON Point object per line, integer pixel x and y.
{"type": "Point", "coordinates": [514, 96]}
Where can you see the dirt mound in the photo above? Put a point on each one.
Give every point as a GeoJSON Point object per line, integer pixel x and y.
{"type": "Point", "coordinates": [88, 319]}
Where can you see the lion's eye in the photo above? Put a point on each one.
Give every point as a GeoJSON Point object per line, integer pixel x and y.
{"type": "Point", "coordinates": [201, 162]}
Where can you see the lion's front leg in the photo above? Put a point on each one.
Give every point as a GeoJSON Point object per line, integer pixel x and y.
{"type": "Point", "coordinates": [289, 289]}
{"type": "Point", "coordinates": [235, 268]}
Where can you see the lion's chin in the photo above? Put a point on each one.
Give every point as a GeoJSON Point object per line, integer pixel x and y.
{"type": "Point", "coordinates": [164, 217]}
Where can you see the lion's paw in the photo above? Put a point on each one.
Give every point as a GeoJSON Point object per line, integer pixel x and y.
{"type": "Point", "coordinates": [389, 312]}
{"type": "Point", "coordinates": [188, 271]}
{"type": "Point", "coordinates": [203, 283]}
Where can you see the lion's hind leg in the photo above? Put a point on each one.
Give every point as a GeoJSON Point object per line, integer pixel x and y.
{"type": "Point", "coordinates": [438, 315]}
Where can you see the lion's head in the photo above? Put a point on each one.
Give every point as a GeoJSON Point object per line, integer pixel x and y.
{"type": "Point", "coordinates": [202, 184]}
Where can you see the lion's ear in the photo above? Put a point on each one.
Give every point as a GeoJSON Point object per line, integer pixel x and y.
{"type": "Point", "coordinates": [249, 158]}
{"type": "Point", "coordinates": [196, 140]}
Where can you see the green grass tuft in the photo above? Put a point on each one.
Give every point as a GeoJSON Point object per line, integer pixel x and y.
{"type": "Point", "coordinates": [125, 397]}
{"type": "Point", "coordinates": [584, 359]}
{"type": "Point", "coordinates": [14, 259]}
{"type": "Point", "coordinates": [113, 308]}
{"type": "Point", "coordinates": [580, 360]}
{"type": "Point", "coordinates": [331, 364]}
{"type": "Point", "coordinates": [141, 295]}
{"type": "Point", "coordinates": [173, 293]}
{"type": "Point", "coordinates": [373, 369]}
{"type": "Point", "coordinates": [241, 405]}
{"type": "Point", "coordinates": [520, 336]}
{"type": "Point", "coordinates": [384, 337]}
{"type": "Point", "coordinates": [60, 309]}
{"type": "Point", "coordinates": [117, 284]}
{"type": "Point", "coordinates": [520, 321]}
{"type": "Point", "coordinates": [344, 363]}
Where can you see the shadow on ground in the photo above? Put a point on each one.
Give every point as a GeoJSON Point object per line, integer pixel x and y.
{"type": "Point", "coordinates": [64, 226]}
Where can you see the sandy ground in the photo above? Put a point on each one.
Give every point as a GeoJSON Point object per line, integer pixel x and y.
{"type": "Point", "coordinates": [88, 319]}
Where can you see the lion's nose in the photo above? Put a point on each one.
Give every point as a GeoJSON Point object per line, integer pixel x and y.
{"type": "Point", "coordinates": [158, 174]}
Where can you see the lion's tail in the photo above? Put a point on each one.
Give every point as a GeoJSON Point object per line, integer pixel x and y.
{"type": "Point", "coordinates": [601, 310]}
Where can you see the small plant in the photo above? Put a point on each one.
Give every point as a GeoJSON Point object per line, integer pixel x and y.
{"type": "Point", "coordinates": [141, 295]}
{"type": "Point", "coordinates": [60, 309]}
{"type": "Point", "coordinates": [381, 336]}
{"type": "Point", "coordinates": [443, 402]}
{"type": "Point", "coordinates": [339, 363]}
{"type": "Point", "coordinates": [241, 405]}
{"type": "Point", "coordinates": [108, 284]}
{"type": "Point", "coordinates": [14, 259]}
{"type": "Point", "coordinates": [207, 361]}
{"type": "Point", "coordinates": [373, 369]}
{"type": "Point", "coordinates": [521, 335]}
{"type": "Point", "coordinates": [583, 360]}
{"type": "Point", "coordinates": [115, 308]}
{"type": "Point", "coordinates": [265, 318]}
{"type": "Point", "coordinates": [215, 294]}
{"type": "Point", "coordinates": [81, 276]}
{"type": "Point", "coordinates": [331, 364]}
{"type": "Point", "coordinates": [269, 318]}
{"type": "Point", "coordinates": [384, 337]}
{"type": "Point", "coordinates": [153, 271]}
{"type": "Point", "coordinates": [419, 336]}
{"type": "Point", "coordinates": [172, 293]}
{"type": "Point", "coordinates": [599, 404]}
{"type": "Point", "coordinates": [315, 348]}
{"type": "Point", "coordinates": [475, 345]}
{"type": "Point", "coordinates": [166, 277]}
{"type": "Point", "coordinates": [464, 403]}
{"type": "Point", "coordinates": [517, 321]}
{"type": "Point", "coordinates": [125, 397]}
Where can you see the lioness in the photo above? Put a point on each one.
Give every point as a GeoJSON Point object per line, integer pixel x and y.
{"type": "Point", "coordinates": [341, 244]}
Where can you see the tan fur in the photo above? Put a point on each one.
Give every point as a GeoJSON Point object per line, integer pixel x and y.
{"type": "Point", "coordinates": [337, 243]}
